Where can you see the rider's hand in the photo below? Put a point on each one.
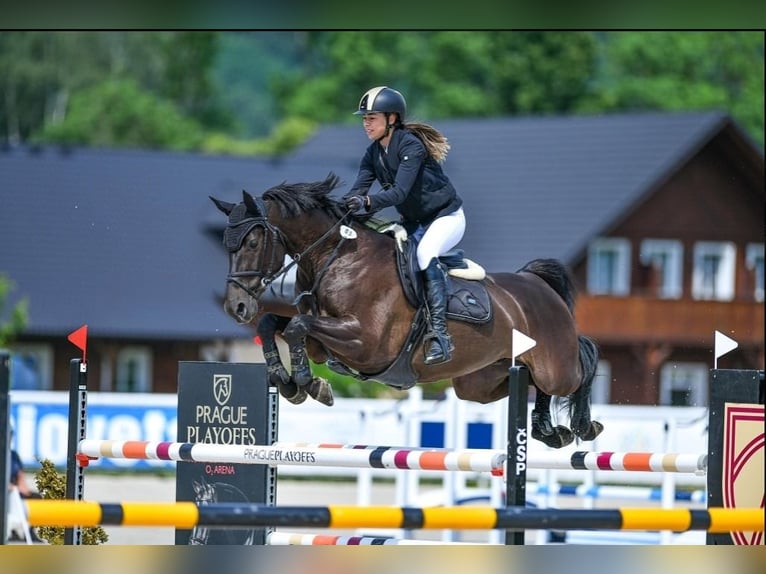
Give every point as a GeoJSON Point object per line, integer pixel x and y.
{"type": "Point", "coordinates": [355, 202]}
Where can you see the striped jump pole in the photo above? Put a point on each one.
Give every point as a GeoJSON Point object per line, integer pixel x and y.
{"type": "Point", "coordinates": [68, 513]}
{"type": "Point", "coordinates": [602, 491]}
{"type": "Point", "coordinates": [298, 539]}
{"type": "Point", "coordinates": [292, 454]}
{"type": "Point", "coordinates": [622, 461]}
{"type": "Point", "coordinates": [388, 457]}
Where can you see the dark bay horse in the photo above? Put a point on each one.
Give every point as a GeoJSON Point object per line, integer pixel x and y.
{"type": "Point", "coordinates": [353, 313]}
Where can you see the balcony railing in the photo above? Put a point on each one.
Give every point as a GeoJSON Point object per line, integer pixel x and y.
{"type": "Point", "coordinates": [689, 322]}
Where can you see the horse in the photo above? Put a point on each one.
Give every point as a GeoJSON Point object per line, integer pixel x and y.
{"type": "Point", "coordinates": [356, 312]}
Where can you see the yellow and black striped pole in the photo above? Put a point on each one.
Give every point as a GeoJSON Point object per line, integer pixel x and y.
{"type": "Point", "coordinates": [65, 513]}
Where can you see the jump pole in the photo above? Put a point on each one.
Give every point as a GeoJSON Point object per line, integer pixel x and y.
{"type": "Point", "coordinates": [234, 515]}
{"type": "Point", "coordinates": [5, 447]}
{"type": "Point", "coordinates": [389, 457]}
{"type": "Point", "coordinates": [78, 410]}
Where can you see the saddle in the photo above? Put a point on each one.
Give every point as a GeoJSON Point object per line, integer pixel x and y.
{"type": "Point", "coordinates": [467, 296]}
{"type": "Point", "coordinates": [467, 300]}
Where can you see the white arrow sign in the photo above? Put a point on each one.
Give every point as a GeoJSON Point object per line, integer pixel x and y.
{"type": "Point", "coordinates": [723, 345]}
{"type": "Point", "coordinates": [520, 343]}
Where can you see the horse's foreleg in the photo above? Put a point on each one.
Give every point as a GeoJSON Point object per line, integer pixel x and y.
{"type": "Point", "coordinates": [278, 375]}
{"type": "Point", "coordinates": [542, 425]}
{"type": "Point", "coordinates": [316, 387]}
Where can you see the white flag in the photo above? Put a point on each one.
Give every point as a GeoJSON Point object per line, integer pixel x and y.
{"type": "Point", "coordinates": [723, 344]}
{"type": "Point", "coordinates": [521, 343]}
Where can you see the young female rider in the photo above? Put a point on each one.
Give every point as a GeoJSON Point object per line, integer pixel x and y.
{"type": "Point", "coordinates": [405, 158]}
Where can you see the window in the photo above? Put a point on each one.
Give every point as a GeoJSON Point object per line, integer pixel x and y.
{"type": "Point", "coordinates": [684, 385]}
{"type": "Point", "coordinates": [602, 384]}
{"type": "Point", "coordinates": [754, 262]}
{"type": "Point", "coordinates": [713, 276]}
{"type": "Point", "coordinates": [609, 267]}
{"type": "Point", "coordinates": [32, 367]}
{"type": "Point", "coordinates": [134, 368]}
{"type": "Point", "coordinates": [665, 258]}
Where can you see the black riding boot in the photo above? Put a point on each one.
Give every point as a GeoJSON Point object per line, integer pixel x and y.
{"type": "Point", "coordinates": [439, 346]}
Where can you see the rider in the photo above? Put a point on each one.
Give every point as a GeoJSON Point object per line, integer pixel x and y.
{"type": "Point", "coordinates": [405, 158]}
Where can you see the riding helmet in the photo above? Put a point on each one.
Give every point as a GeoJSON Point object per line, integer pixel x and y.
{"type": "Point", "coordinates": [382, 99]}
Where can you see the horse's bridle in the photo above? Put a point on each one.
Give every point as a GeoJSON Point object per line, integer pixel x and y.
{"type": "Point", "coordinates": [275, 268]}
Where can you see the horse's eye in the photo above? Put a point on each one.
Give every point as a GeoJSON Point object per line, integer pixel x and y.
{"type": "Point", "coordinates": [252, 244]}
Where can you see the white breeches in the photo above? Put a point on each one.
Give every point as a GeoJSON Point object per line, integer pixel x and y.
{"type": "Point", "coordinates": [442, 235]}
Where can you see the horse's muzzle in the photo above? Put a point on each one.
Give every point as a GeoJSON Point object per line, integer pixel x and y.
{"type": "Point", "coordinates": [240, 306]}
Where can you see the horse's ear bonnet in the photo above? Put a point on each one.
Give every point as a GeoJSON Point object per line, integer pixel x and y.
{"type": "Point", "coordinates": [241, 222]}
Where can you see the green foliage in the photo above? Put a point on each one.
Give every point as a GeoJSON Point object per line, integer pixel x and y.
{"type": "Point", "coordinates": [215, 91]}
{"type": "Point", "coordinates": [285, 137]}
{"type": "Point", "coordinates": [684, 71]}
{"type": "Point", "coordinates": [52, 486]}
{"type": "Point", "coordinates": [14, 321]}
{"type": "Point", "coordinates": [119, 113]}
{"type": "Point", "coordinates": [346, 386]}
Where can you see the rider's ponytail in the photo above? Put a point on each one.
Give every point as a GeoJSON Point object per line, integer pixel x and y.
{"type": "Point", "coordinates": [436, 143]}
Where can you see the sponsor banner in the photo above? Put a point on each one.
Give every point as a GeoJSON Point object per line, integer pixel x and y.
{"type": "Point", "coordinates": [225, 404]}
{"type": "Point", "coordinates": [40, 421]}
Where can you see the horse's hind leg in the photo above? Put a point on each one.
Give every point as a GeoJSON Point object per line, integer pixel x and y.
{"type": "Point", "coordinates": [542, 425]}
{"type": "Point", "coordinates": [582, 425]}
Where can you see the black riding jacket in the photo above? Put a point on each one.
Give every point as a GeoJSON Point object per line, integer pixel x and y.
{"type": "Point", "coordinates": [413, 182]}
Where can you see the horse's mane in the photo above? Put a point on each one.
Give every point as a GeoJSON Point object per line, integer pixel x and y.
{"type": "Point", "coordinates": [296, 198]}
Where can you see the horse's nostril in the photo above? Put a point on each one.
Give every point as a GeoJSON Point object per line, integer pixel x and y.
{"type": "Point", "coordinates": [241, 310]}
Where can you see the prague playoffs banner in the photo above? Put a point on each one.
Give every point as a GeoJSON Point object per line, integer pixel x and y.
{"type": "Point", "coordinates": [226, 404]}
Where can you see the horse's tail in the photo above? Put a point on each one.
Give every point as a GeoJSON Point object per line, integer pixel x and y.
{"type": "Point", "coordinates": [589, 355]}
{"type": "Point", "coordinates": [555, 274]}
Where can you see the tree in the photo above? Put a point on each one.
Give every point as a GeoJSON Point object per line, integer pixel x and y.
{"type": "Point", "coordinates": [42, 73]}
{"type": "Point", "coordinates": [118, 113]}
{"type": "Point", "coordinates": [442, 74]}
{"type": "Point", "coordinates": [684, 71]}
{"type": "Point", "coordinates": [14, 320]}
{"type": "Point", "coordinates": [220, 81]}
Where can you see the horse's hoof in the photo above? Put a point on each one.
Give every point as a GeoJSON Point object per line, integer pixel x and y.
{"type": "Point", "coordinates": [561, 437]}
{"type": "Point", "coordinates": [321, 391]}
{"type": "Point", "coordinates": [279, 378]}
{"type": "Point", "coordinates": [592, 431]}
{"type": "Point", "coordinates": [297, 398]}
{"type": "Point", "coordinates": [302, 377]}
{"type": "Point", "coordinates": [541, 424]}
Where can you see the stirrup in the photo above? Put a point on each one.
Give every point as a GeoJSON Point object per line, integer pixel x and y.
{"type": "Point", "coordinates": [445, 354]}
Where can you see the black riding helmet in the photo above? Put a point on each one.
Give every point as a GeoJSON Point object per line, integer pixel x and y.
{"type": "Point", "coordinates": [383, 99]}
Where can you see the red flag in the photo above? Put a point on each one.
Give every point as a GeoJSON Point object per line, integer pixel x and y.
{"type": "Point", "coordinates": [79, 338]}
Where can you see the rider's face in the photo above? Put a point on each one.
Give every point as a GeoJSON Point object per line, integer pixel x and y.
{"type": "Point", "coordinates": [374, 125]}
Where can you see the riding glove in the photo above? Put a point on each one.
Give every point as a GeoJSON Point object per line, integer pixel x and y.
{"type": "Point", "coordinates": [356, 202]}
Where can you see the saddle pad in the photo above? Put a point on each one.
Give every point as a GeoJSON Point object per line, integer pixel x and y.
{"type": "Point", "coordinates": [468, 301]}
